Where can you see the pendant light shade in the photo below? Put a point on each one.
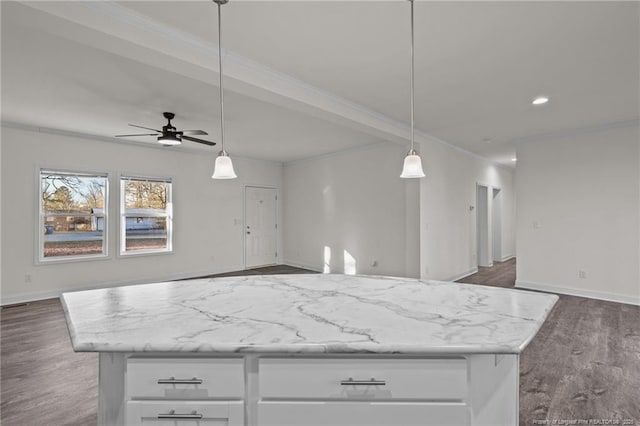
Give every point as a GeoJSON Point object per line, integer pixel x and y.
{"type": "Point", "coordinates": [412, 166]}
{"type": "Point", "coordinates": [223, 168]}
{"type": "Point", "coordinates": [412, 163]}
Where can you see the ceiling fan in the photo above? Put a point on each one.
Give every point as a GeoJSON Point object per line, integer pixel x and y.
{"type": "Point", "coordinates": [169, 135]}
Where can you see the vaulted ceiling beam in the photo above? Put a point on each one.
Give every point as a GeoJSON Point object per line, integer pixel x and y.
{"type": "Point", "coordinates": [119, 30]}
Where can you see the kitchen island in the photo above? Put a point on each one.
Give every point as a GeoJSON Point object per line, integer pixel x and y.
{"type": "Point", "coordinates": [306, 350]}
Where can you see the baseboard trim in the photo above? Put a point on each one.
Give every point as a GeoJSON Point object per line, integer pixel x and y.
{"type": "Point", "coordinates": [507, 257]}
{"type": "Point", "coordinates": [52, 294]}
{"type": "Point", "coordinates": [302, 265]}
{"type": "Point", "coordinates": [463, 275]}
{"type": "Point", "coordinates": [590, 294]}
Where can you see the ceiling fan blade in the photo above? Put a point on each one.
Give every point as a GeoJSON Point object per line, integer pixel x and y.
{"type": "Point", "coordinates": [140, 134]}
{"type": "Point", "coordinates": [194, 132]}
{"type": "Point", "coordinates": [148, 128]}
{"type": "Point", "coordinates": [189, 138]}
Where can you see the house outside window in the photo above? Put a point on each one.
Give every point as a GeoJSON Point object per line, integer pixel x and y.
{"type": "Point", "coordinates": [146, 215]}
{"type": "Point", "coordinates": [68, 220]}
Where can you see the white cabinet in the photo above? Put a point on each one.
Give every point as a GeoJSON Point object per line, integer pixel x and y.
{"type": "Point", "coordinates": [307, 390]}
{"type": "Point", "coordinates": [185, 378]}
{"type": "Point", "coordinates": [424, 379]}
{"type": "Point", "coordinates": [361, 414]}
{"type": "Point", "coordinates": [362, 392]}
{"type": "Point", "coordinates": [184, 391]}
{"type": "Point", "coordinates": [185, 413]}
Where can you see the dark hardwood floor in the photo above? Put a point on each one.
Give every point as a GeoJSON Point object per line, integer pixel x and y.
{"type": "Point", "coordinates": [43, 381]}
{"type": "Point", "coordinates": [267, 270]}
{"type": "Point", "coordinates": [584, 364]}
{"type": "Point", "coordinates": [501, 274]}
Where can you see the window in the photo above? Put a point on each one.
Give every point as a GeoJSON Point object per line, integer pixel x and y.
{"type": "Point", "coordinates": [72, 220]}
{"type": "Point", "coordinates": [145, 215]}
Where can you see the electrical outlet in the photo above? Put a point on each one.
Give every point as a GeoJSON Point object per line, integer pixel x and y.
{"type": "Point", "coordinates": [536, 225]}
{"type": "Point", "coordinates": [582, 274]}
{"type": "Point", "coordinates": [27, 278]}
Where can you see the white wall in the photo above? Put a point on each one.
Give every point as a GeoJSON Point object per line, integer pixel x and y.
{"type": "Point", "coordinates": [447, 225]}
{"type": "Point", "coordinates": [208, 234]}
{"type": "Point", "coordinates": [583, 193]}
{"type": "Point", "coordinates": [353, 201]}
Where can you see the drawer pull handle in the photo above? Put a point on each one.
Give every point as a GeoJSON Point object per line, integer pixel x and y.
{"type": "Point", "coordinates": [174, 381]}
{"type": "Point", "coordinates": [372, 382]}
{"type": "Point", "coordinates": [194, 415]}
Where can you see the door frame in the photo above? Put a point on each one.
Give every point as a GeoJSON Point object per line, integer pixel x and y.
{"type": "Point", "coordinates": [244, 221]}
{"type": "Point", "coordinates": [493, 212]}
{"type": "Point", "coordinates": [488, 212]}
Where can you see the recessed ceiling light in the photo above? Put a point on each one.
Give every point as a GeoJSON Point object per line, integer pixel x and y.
{"type": "Point", "coordinates": [540, 100]}
{"type": "Point", "coordinates": [514, 159]}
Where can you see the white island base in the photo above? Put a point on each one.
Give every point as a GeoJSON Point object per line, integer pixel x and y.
{"type": "Point", "coordinates": [306, 350]}
{"type": "Point", "coordinates": [307, 390]}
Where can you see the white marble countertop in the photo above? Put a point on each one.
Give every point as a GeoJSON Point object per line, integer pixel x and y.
{"type": "Point", "coordinates": [305, 314]}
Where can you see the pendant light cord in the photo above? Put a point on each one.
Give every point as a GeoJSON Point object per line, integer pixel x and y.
{"type": "Point", "coordinates": [412, 77]}
{"type": "Point", "coordinates": [221, 88]}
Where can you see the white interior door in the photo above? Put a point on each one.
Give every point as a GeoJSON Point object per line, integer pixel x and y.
{"type": "Point", "coordinates": [260, 226]}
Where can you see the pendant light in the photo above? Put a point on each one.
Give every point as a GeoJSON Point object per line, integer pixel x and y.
{"type": "Point", "coordinates": [412, 163]}
{"type": "Point", "coordinates": [223, 168]}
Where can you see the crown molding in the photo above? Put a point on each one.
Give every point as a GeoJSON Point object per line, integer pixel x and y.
{"type": "Point", "coordinates": [578, 131]}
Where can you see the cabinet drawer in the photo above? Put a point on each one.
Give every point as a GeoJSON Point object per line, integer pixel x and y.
{"type": "Point", "coordinates": [172, 413]}
{"type": "Point", "coordinates": [421, 379]}
{"type": "Point", "coordinates": [361, 414]}
{"type": "Point", "coordinates": [185, 378]}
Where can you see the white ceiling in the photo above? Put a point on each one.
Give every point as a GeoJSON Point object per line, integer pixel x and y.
{"type": "Point", "coordinates": [478, 64]}
{"type": "Point", "coordinates": [52, 82]}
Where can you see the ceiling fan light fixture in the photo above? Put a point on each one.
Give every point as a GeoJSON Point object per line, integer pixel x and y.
{"type": "Point", "coordinates": [223, 168]}
{"type": "Point", "coordinates": [540, 100]}
{"type": "Point", "coordinates": [169, 140]}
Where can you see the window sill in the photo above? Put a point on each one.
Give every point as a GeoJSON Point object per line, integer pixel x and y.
{"type": "Point", "coordinates": [142, 253]}
{"type": "Point", "coordinates": [71, 259]}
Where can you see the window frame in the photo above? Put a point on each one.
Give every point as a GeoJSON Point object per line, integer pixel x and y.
{"type": "Point", "coordinates": [122, 216]}
{"type": "Point", "coordinates": [40, 216]}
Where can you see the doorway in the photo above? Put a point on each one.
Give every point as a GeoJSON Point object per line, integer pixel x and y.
{"type": "Point", "coordinates": [483, 235]}
{"type": "Point", "coordinates": [261, 228]}
{"type": "Point", "coordinates": [496, 225]}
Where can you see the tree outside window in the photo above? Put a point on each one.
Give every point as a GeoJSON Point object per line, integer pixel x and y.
{"type": "Point", "coordinates": [145, 215]}
{"type": "Point", "coordinates": [73, 215]}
